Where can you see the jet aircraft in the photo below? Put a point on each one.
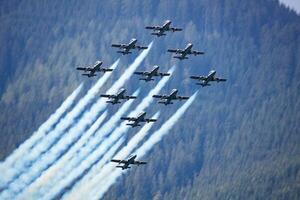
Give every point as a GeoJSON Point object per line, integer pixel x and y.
{"type": "Point", "coordinates": [160, 30]}
{"type": "Point", "coordinates": [204, 80]}
{"type": "Point", "coordinates": [130, 161]}
{"type": "Point", "coordinates": [92, 70]}
{"type": "Point", "coordinates": [117, 97]}
{"type": "Point", "coordinates": [184, 52]}
{"type": "Point", "coordinates": [148, 75]}
{"type": "Point", "coordinates": [167, 99]}
{"type": "Point", "coordinates": [125, 48]}
{"type": "Point", "coordinates": [138, 119]}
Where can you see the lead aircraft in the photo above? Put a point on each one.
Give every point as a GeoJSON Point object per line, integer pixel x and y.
{"type": "Point", "coordinates": [160, 30]}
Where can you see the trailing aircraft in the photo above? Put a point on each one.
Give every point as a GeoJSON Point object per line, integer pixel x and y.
{"type": "Point", "coordinates": [117, 97]}
{"type": "Point", "coordinates": [138, 119]}
{"type": "Point", "coordinates": [160, 30]}
{"type": "Point", "coordinates": [130, 161]}
{"type": "Point", "coordinates": [184, 52]}
{"type": "Point", "coordinates": [92, 70]}
{"type": "Point", "coordinates": [125, 48]}
{"type": "Point", "coordinates": [167, 99]}
{"type": "Point", "coordinates": [204, 80]}
{"type": "Point", "coordinates": [148, 75]}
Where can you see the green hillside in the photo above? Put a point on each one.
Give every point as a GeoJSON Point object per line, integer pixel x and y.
{"type": "Point", "coordinates": [239, 140]}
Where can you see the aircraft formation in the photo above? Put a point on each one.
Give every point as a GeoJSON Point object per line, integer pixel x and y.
{"type": "Point", "coordinates": [147, 76]}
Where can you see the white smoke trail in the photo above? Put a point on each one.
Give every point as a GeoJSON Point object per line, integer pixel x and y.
{"type": "Point", "coordinates": [87, 189]}
{"type": "Point", "coordinates": [55, 172]}
{"type": "Point", "coordinates": [22, 164]}
{"type": "Point", "coordinates": [144, 104]}
{"type": "Point", "coordinates": [73, 134]}
{"type": "Point", "coordinates": [74, 158]}
{"type": "Point", "coordinates": [69, 180]}
{"type": "Point", "coordinates": [39, 134]}
{"type": "Point", "coordinates": [154, 138]}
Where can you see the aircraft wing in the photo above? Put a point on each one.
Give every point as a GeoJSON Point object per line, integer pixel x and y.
{"type": "Point", "coordinates": [141, 73]}
{"type": "Point", "coordinates": [153, 27]}
{"type": "Point", "coordinates": [119, 45]}
{"type": "Point", "coordinates": [139, 163]}
{"type": "Point", "coordinates": [175, 50]}
{"type": "Point", "coordinates": [107, 95]}
{"type": "Point", "coordinates": [182, 97]}
{"type": "Point", "coordinates": [176, 29]}
{"type": "Point", "coordinates": [118, 161]}
{"type": "Point", "coordinates": [129, 118]}
{"type": "Point", "coordinates": [197, 52]}
{"type": "Point", "coordinates": [198, 77]}
{"type": "Point", "coordinates": [81, 68]}
{"type": "Point", "coordinates": [140, 47]}
{"type": "Point", "coordinates": [160, 96]}
{"type": "Point", "coordinates": [84, 68]}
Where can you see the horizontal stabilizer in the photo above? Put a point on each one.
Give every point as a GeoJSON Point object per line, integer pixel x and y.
{"type": "Point", "coordinates": [89, 75]}
{"type": "Point", "coordinates": [124, 52]}
{"type": "Point", "coordinates": [133, 125]}
{"type": "Point", "coordinates": [180, 57]}
{"type": "Point", "coordinates": [158, 34]}
{"type": "Point", "coordinates": [203, 84]}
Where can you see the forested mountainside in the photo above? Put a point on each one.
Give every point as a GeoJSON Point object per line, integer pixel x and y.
{"type": "Point", "coordinates": [239, 140]}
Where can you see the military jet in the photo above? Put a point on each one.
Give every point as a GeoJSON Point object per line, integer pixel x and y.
{"type": "Point", "coordinates": [148, 75]}
{"type": "Point", "coordinates": [125, 48]}
{"type": "Point", "coordinates": [117, 97]}
{"type": "Point", "coordinates": [167, 99]}
{"type": "Point", "coordinates": [130, 161]}
{"type": "Point", "coordinates": [160, 30]}
{"type": "Point", "coordinates": [204, 80]}
{"type": "Point", "coordinates": [138, 119]}
{"type": "Point", "coordinates": [184, 52]}
{"type": "Point", "coordinates": [92, 70]}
